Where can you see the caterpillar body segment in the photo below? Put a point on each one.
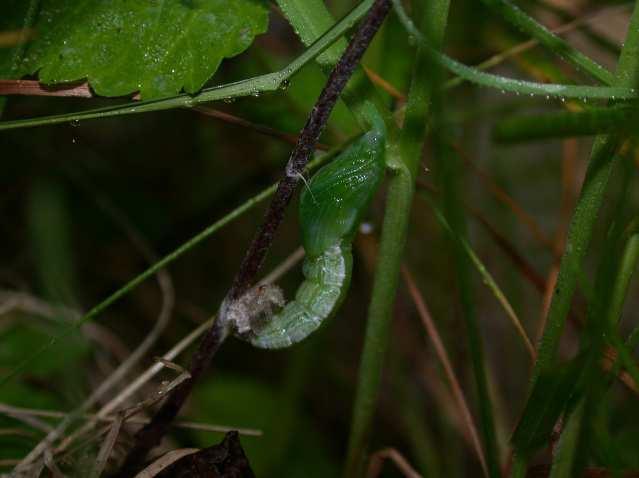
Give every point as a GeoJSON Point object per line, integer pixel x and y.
{"type": "Point", "coordinates": [331, 208]}
{"type": "Point", "coordinates": [327, 278]}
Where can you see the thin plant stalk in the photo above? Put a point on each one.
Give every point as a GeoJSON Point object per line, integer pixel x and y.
{"type": "Point", "coordinates": [249, 87]}
{"type": "Point", "coordinates": [552, 42]}
{"type": "Point", "coordinates": [603, 159]}
{"type": "Point", "coordinates": [489, 281]}
{"type": "Point", "coordinates": [447, 166]}
{"type": "Point", "coordinates": [403, 163]}
{"type": "Point", "coordinates": [442, 355]}
{"type": "Point", "coordinates": [627, 266]}
{"type": "Point", "coordinates": [151, 271]}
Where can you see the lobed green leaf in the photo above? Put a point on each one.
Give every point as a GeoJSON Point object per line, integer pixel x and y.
{"type": "Point", "coordinates": [155, 47]}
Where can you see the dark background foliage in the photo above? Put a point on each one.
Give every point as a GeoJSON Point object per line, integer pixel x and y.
{"type": "Point", "coordinates": [170, 174]}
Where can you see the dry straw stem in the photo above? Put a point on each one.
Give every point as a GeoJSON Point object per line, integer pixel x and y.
{"type": "Point", "coordinates": [166, 308]}
{"type": "Point", "coordinates": [170, 355]}
{"type": "Point", "coordinates": [379, 457]}
{"type": "Point", "coordinates": [107, 446]}
{"type": "Point", "coordinates": [442, 355]}
{"type": "Point", "coordinates": [17, 300]}
{"type": "Point", "coordinates": [165, 461]}
{"type": "Point", "coordinates": [26, 413]}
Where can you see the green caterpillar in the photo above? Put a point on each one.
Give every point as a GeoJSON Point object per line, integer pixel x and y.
{"type": "Point", "coordinates": [331, 209]}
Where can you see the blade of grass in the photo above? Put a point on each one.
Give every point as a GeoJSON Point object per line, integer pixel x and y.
{"type": "Point", "coordinates": [527, 45]}
{"type": "Point", "coordinates": [584, 218]}
{"type": "Point", "coordinates": [309, 18]}
{"type": "Point", "coordinates": [404, 162]}
{"type": "Point", "coordinates": [585, 215]}
{"type": "Point", "coordinates": [563, 124]}
{"type": "Point", "coordinates": [274, 81]}
{"type": "Point", "coordinates": [552, 42]}
{"type": "Point", "coordinates": [564, 460]}
{"type": "Point", "coordinates": [565, 13]}
{"type": "Point", "coordinates": [151, 271]}
{"type": "Point", "coordinates": [627, 266]}
{"type": "Point", "coordinates": [511, 85]}
{"type": "Point", "coordinates": [487, 278]}
{"type": "Point", "coordinates": [448, 176]}
{"type": "Point", "coordinates": [625, 356]}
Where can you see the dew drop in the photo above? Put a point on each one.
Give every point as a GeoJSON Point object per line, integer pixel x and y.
{"type": "Point", "coordinates": [284, 85]}
{"type": "Point", "coordinates": [228, 100]}
{"type": "Point", "coordinates": [75, 123]}
{"type": "Point", "coordinates": [366, 228]}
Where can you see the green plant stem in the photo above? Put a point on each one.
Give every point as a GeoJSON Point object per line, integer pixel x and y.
{"type": "Point", "coordinates": [583, 221]}
{"type": "Point", "coordinates": [564, 460]}
{"type": "Point", "coordinates": [277, 80]}
{"type": "Point", "coordinates": [310, 18]}
{"type": "Point", "coordinates": [398, 203]}
{"type": "Point", "coordinates": [474, 75]}
{"type": "Point", "coordinates": [151, 271]}
{"type": "Point", "coordinates": [487, 279]}
{"type": "Point", "coordinates": [249, 87]}
{"type": "Point", "coordinates": [627, 266]}
{"type": "Point", "coordinates": [449, 175]}
{"type": "Point", "coordinates": [625, 356]}
{"type": "Point", "coordinates": [552, 42]}
{"type": "Point", "coordinates": [403, 161]}
{"type": "Point", "coordinates": [274, 81]}
{"type": "Point", "coordinates": [586, 27]}
{"type": "Point", "coordinates": [585, 215]}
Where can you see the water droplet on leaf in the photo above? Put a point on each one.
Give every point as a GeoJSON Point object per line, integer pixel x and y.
{"type": "Point", "coordinates": [284, 85]}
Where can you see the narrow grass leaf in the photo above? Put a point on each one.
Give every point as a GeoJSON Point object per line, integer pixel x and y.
{"type": "Point", "coordinates": [549, 398]}
{"type": "Point", "coordinates": [565, 124]}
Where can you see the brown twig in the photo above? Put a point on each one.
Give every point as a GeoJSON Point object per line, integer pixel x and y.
{"type": "Point", "coordinates": [302, 152]}
{"type": "Point", "coordinates": [149, 436]}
